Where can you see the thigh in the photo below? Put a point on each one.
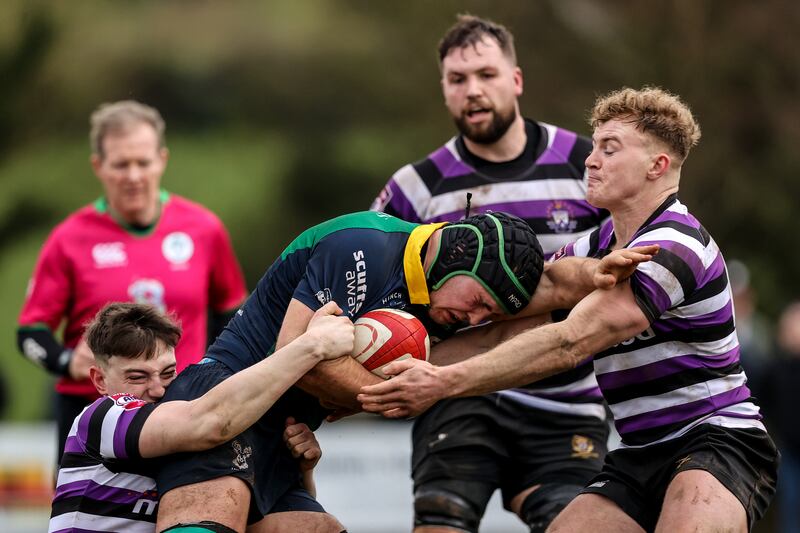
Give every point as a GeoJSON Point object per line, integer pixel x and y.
{"type": "Point", "coordinates": [225, 500]}
{"type": "Point", "coordinates": [457, 440]}
{"type": "Point", "coordinates": [296, 521]}
{"type": "Point", "coordinates": [592, 512]}
{"type": "Point", "coordinates": [550, 448]}
{"type": "Point", "coordinates": [739, 464]}
{"type": "Point", "coordinates": [697, 501]}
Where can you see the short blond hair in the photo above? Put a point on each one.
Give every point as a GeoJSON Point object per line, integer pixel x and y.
{"type": "Point", "coordinates": [654, 111]}
{"type": "Point", "coordinates": [119, 117]}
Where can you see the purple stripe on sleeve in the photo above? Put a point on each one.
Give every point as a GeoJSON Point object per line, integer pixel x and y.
{"type": "Point", "coordinates": [401, 204]}
{"type": "Point", "coordinates": [559, 151]}
{"type": "Point", "coordinates": [525, 210]}
{"type": "Point", "coordinates": [121, 430]}
{"type": "Point", "coordinates": [73, 445]}
{"type": "Point", "coordinates": [667, 367]}
{"type": "Point", "coordinates": [679, 413]}
{"type": "Point", "coordinates": [718, 317]}
{"type": "Point", "coordinates": [647, 287]}
{"type": "Point", "coordinates": [713, 271]}
{"type": "Point", "coordinates": [448, 165]}
{"type": "Point", "coordinates": [687, 256]}
{"type": "Point", "coordinates": [687, 219]}
{"type": "Point", "coordinates": [89, 489]}
{"type": "Point", "coordinates": [86, 416]}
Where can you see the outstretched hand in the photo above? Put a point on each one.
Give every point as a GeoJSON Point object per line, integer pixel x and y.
{"type": "Point", "coordinates": [620, 264]}
{"type": "Point", "coordinates": [413, 388]}
{"type": "Point", "coordinates": [334, 333]}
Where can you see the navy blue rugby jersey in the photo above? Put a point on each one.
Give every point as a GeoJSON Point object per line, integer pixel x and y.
{"type": "Point", "coordinates": [355, 260]}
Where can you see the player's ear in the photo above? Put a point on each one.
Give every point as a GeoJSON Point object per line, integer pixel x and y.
{"type": "Point", "coordinates": [98, 379]}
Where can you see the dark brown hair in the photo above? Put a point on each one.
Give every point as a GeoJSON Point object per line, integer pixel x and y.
{"type": "Point", "coordinates": [469, 30]}
{"type": "Point", "coordinates": [130, 330]}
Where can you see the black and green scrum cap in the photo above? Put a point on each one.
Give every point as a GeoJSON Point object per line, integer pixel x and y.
{"type": "Point", "coordinates": [498, 250]}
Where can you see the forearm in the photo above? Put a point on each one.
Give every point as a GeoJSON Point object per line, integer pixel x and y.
{"type": "Point", "coordinates": [338, 381]}
{"type": "Point", "coordinates": [564, 283]}
{"type": "Point", "coordinates": [236, 403]}
{"type": "Point", "coordinates": [530, 356]}
{"type": "Point", "coordinates": [308, 482]}
{"type": "Point", "coordinates": [477, 340]}
{"type": "Point", "coordinates": [602, 319]}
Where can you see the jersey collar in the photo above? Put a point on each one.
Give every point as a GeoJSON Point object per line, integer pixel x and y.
{"type": "Point", "coordinates": [412, 263]}
{"type": "Point", "coordinates": [101, 205]}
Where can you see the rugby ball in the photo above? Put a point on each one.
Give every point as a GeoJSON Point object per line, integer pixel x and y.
{"type": "Point", "coordinates": [386, 335]}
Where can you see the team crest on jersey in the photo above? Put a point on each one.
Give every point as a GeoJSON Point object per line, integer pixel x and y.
{"type": "Point", "coordinates": [128, 401]}
{"type": "Point", "coordinates": [177, 248]}
{"type": "Point", "coordinates": [383, 199]}
{"type": "Point", "coordinates": [240, 459]}
{"type": "Point", "coordinates": [324, 296]}
{"type": "Point", "coordinates": [583, 447]}
{"type": "Point", "coordinates": [148, 291]}
{"type": "Point", "coordinates": [561, 220]}
{"type": "Point", "coordinates": [109, 254]}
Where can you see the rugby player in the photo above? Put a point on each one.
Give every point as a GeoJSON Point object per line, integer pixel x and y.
{"type": "Point", "coordinates": [105, 481]}
{"type": "Point", "coordinates": [695, 455]}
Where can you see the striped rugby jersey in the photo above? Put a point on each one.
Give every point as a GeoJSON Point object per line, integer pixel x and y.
{"type": "Point", "coordinates": [684, 369]}
{"type": "Point", "coordinates": [103, 483]}
{"type": "Point", "coordinates": [546, 187]}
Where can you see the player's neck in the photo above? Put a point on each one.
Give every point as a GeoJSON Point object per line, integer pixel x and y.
{"type": "Point", "coordinates": [633, 214]}
{"type": "Point", "coordinates": [508, 147]}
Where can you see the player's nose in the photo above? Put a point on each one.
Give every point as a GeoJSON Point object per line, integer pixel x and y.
{"type": "Point", "coordinates": [156, 390]}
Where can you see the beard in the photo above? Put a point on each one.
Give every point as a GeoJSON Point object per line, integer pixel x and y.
{"type": "Point", "coordinates": [486, 134]}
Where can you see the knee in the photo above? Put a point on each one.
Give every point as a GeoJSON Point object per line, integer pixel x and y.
{"type": "Point", "coordinates": [436, 507]}
{"type": "Point", "coordinates": [542, 505]}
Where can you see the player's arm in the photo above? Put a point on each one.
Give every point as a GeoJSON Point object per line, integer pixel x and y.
{"type": "Point", "coordinates": [566, 281]}
{"type": "Point", "coordinates": [334, 382]}
{"type": "Point", "coordinates": [472, 341]}
{"type": "Point", "coordinates": [236, 403]}
{"type": "Point", "coordinates": [602, 319]}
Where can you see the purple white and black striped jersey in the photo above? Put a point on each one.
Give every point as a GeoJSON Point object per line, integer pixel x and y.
{"type": "Point", "coordinates": [684, 369]}
{"type": "Point", "coordinates": [103, 483]}
{"type": "Point", "coordinates": [545, 186]}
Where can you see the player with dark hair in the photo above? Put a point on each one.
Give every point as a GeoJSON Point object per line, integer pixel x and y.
{"type": "Point", "coordinates": [444, 274]}
{"type": "Point", "coordinates": [137, 243]}
{"type": "Point", "coordinates": [540, 443]}
{"type": "Point", "coordinates": [695, 455]}
{"type": "Point", "coordinates": [105, 482]}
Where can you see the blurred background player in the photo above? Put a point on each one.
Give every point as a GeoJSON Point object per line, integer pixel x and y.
{"type": "Point", "coordinates": [136, 243]}
{"type": "Point", "coordinates": [105, 480]}
{"type": "Point", "coordinates": [542, 443]}
{"type": "Point", "coordinates": [778, 395]}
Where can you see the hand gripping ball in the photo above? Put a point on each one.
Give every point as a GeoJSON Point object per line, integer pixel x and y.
{"type": "Point", "coordinates": [386, 335]}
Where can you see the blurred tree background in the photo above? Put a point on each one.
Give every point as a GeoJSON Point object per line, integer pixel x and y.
{"type": "Point", "coordinates": [281, 114]}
